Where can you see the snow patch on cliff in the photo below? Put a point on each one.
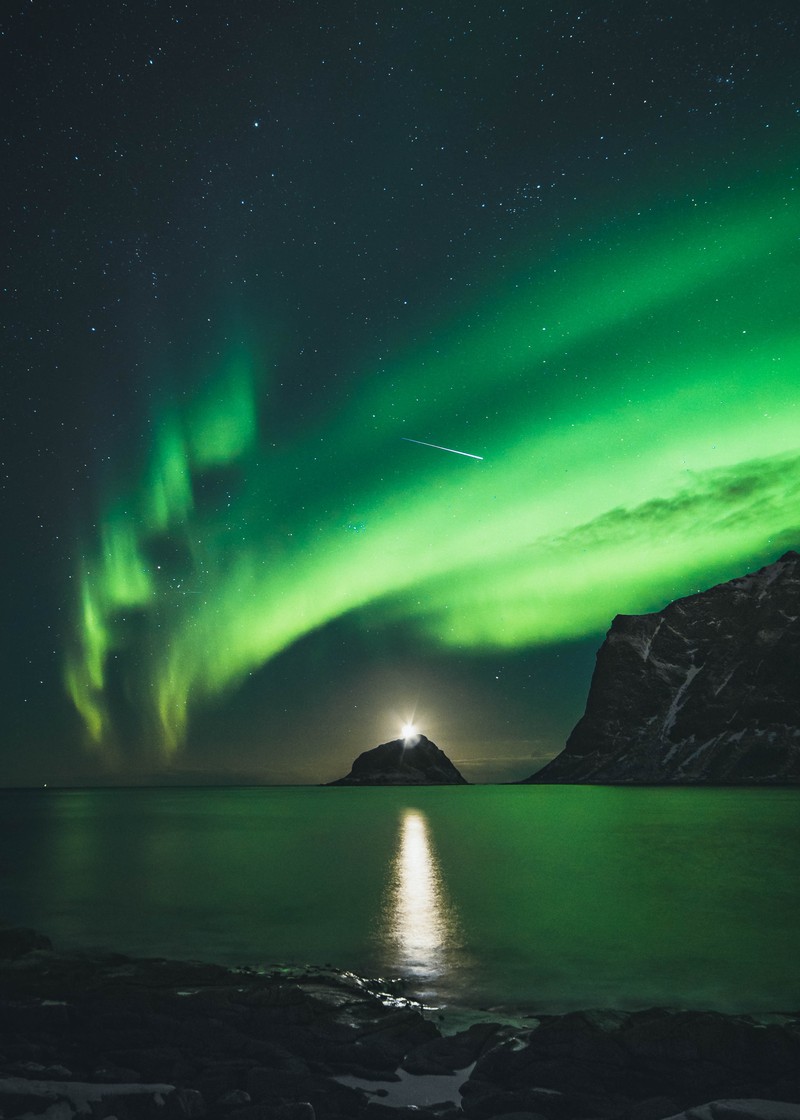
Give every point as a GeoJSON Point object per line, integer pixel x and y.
{"type": "Point", "coordinates": [678, 699]}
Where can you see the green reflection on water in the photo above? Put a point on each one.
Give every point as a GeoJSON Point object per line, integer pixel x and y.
{"type": "Point", "coordinates": [546, 897]}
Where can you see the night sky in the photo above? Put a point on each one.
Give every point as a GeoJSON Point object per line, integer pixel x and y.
{"type": "Point", "coordinates": [260, 255]}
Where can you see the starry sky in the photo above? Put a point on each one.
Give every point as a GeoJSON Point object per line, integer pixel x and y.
{"type": "Point", "coordinates": [270, 265]}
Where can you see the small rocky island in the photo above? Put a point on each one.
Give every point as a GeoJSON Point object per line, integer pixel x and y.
{"type": "Point", "coordinates": [704, 691]}
{"type": "Point", "coordinates": [403, 762]}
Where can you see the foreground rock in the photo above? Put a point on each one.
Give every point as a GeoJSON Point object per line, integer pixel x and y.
{"type": "Point", "coordinates": [740, 1110]}
{"type": "Point", "coordinates": [114, 1036]}
{"type": "Point", "coordinates": [22, 1096]}
{"type": "Point", "coordinates": [704, 691]}
{"type": "Point", "coordinates": [403, 762]}
{"type": "Point", "coordinates": [643, 1065]}
{"type": "Point", "coordinates": [104, 1035]}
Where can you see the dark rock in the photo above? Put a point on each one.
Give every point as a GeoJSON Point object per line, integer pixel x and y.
{"type": "Point", "coordinates": [190, 1103]}
{"type": "Point", "coordinates": [16, 942]}
{"type": "Point", "coordinates": [376, 1111]}
{"type": "Point", "coordinates": [519, 1116]}
{"type": "Point", "coordinates": [268, 1047]}
{"type": "Point", "coordinates": [273, 1084]}
{"type": "Point", "coordinates": [446, 1055]}
{"type": "Point", "coordinates": [742, 1110]}
{"type": "Point", "coordinates": [19, 1097]}
{"type": "Point", "coordinates": [109, 1075]}
{"type": "Point", "coordinates": [209, 1036]}
{"type": "Point", "coordinates": [32, 1070]}
{"type": "Point", "coordinates": [483, 1101]}
{"type": "Point", "coordinates": [298, 1110]}
{"type": "Point", "coordinates": [603, 1065]}
{"type": "Point", "coordinates": [703, 691]}
{"type": "Point", "coordinates": [55, 1073]}
{"type": "Point", "coordinates": [234, 1098]}
{"type": "Point", "coordinates": [221, 1077]}
{"type": "Point", "coordinates": [154, 1063]}
{"type": "Point", "coordinates": [33, 1016]}
{"type": "Point", "coordinates": [403, 762]}
{"type": "Point", "coordinates": [278, 1057]}
{"type": "Point", "coordinates": [654, 1108]}
{"type": "Point", "coordinates": [294, 1110]}
{"type": "Point", "coordinates": [252, 1112]}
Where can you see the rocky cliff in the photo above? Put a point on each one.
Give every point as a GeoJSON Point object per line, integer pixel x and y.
{"type": "Point", "coordinates": [403, 762]}
{"type": "Point", "coordinates": [706, 690]}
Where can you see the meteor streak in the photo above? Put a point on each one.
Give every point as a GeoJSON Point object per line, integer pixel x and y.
{"type": "Point", "coordinates": [438, 447]}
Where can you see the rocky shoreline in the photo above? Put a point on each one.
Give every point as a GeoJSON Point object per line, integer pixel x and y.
{"type": "Point", "coordinates": [106, 1035]}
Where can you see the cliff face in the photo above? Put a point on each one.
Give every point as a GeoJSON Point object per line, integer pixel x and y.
{"type": "Point", "coordinates": [403, 762]}
{"type": "Point", "coordinates": [706, 690]}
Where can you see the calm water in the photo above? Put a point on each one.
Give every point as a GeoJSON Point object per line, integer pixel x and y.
{"type": "Point", "coordinates": [540, 897]}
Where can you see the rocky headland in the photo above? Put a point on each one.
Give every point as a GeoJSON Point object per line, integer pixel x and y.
{"type": "Point", "coordinates": [403, 762]}
{"type": "Point", "coordinates": [105, 1035]}
{"type": "Point", "coordinates": [703, 691]}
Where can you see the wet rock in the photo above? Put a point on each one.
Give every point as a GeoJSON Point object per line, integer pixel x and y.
{"type": "Point", "coordinates": [34, 1017]}
{"type": "Point", "coordinates": [453, 1052]}
{"type": "Point", "coordinates": [568, 1106]}
{"type": "Point", "coordinates": [233, 1098]}
{"type": "Point", "coordinates": [269, 1046]}
{"type": "Point", "coordinates": [606, 1065]}
{"type": "Point", "coordinates": [209, 1036]}
{"type": "Point", "coordinates": [252, 1112]}
{"type": "Point", "coordinates": [519, 1116]}
{"type": "Point", "coordinates": [741, 1110]}
{"type": "Point", "coordinates": [376, 1111]}
{"type": "Point", "coordinates": [107, 1075]}
{"type": "Point", "coordinates": [153, 1064]}
{"type": "Point", "coordinates": [272, 1084]}
{"type": "Point", "coordinates": [19, 1097]}
{"type": "Point", "coordinates": [653, 1108]}
{"type": "Point", "coordinates": [55, 1073]}
{"type": "Point", "coordinates": [298, 1110]}
{"type": "Point", "coordinates": [219, 1078]}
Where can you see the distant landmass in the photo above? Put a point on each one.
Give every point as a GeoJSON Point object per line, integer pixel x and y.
{"type": "Point", "coordinates": [705, 691]}
{"type": "Point", "coordinates": [403, 762]}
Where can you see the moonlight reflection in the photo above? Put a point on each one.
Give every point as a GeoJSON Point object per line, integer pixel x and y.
{"type": "Point", "coordinates": [419, 923]}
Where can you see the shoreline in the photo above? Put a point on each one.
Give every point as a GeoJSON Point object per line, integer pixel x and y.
{"type": "Point", "coordinates": [112, 1035]}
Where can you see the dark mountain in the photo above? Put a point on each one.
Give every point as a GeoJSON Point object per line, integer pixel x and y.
{"type": "Point", "coordinates": [403, 762]}
{"type": "Point", "coordinates": [706, 690]}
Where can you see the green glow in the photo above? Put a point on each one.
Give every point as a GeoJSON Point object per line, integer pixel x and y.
{"type": "Point", "coordinates": [222, 426]}
{"type": "Point", "coordinates": [127, 581]}
{"type": "Point", "coordinates": [638, 408]}
{"type": "Point", "coordinates": [85, 670]}
{"type": "Point", "coordinates": [168, 490]}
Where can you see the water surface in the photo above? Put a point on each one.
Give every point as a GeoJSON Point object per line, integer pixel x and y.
{"type": "Point", "coordinates": [540, 897]}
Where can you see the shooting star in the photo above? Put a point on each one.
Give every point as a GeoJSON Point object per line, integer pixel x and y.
{"type": "Point", "coordinates": [438, 447]}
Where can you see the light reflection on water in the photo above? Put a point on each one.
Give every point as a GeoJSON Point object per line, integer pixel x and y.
{"type": "Point", "coordinates": [543, 898]}
{"type": "Point", "coordinates": [419, 925]}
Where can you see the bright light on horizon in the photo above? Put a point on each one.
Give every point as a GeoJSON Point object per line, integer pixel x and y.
{"type": "Point", "coordinates": [409, 731]}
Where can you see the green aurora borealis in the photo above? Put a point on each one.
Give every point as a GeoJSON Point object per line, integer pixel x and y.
{"type": "Point", "coordinates": [637, 404]}
{"type": "Point", "coordinates": [257, 256]}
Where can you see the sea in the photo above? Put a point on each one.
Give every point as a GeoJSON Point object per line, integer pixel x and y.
{"type": "Point", "coordinates": [522, 898]}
